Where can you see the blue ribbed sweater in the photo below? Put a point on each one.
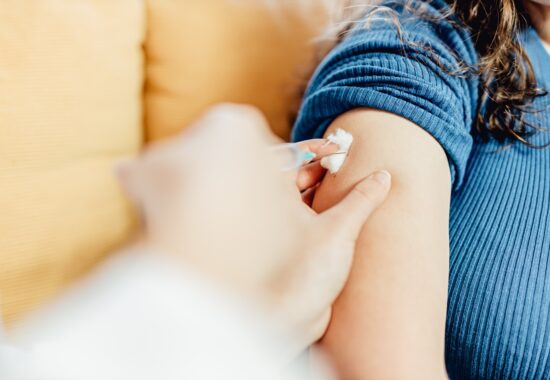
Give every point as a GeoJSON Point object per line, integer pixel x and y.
{"type": "Point", "coordinates": [498, 319]}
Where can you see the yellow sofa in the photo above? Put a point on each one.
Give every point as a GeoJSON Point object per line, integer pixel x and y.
{"type": "Point", "coordinates": [84, 83]}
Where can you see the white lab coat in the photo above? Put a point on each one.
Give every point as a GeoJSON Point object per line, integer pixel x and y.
{"type": "Point", "coordinates": [142, 316]}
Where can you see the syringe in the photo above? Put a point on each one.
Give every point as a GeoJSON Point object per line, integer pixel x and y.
{"type": "Point", "coordinates": [293, 156]}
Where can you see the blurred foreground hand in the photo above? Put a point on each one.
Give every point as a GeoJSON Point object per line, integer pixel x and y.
{"type": "Point", "coordinates": [215, 197]}
{"type": "Point", "coordinates": [234, 277]}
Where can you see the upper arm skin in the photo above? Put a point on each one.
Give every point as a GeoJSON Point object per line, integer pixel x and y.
{"type": "Point", "coordinates": [389, 322]}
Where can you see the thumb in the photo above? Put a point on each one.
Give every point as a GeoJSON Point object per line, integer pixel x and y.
{"type": "Point", "coordinates": [350, 214]}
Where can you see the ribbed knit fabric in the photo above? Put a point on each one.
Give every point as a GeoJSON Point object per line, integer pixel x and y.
{"type": "Point", "coordinates": [498, 321]}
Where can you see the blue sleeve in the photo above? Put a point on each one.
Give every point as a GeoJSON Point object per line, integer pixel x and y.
{"type": "Point", "coordinates": [376, 67]}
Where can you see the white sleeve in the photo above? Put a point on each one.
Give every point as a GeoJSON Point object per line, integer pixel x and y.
{"type": "Point", "coordinates": [143, 316]}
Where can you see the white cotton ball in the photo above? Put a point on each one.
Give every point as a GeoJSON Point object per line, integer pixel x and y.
{"type": "Point", "coordinates": [334, 162]}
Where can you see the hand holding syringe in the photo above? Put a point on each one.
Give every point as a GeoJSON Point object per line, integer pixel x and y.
{"type": "Point", "coordinates": [331, 151]}
{"type": "Point", "coordinates": [247, 214]}
{"type": "Point", "coordinates": [305, 158]}
{"type": "Point", "coordinates": [311, 159]}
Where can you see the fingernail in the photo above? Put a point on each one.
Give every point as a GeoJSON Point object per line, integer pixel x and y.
{"type": "Point", "coordinates": [382, 177]}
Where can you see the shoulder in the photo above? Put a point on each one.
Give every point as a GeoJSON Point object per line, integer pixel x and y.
{"type": "Point", "coordinates": [402, 59]}
{"type": "Point", "coordinates": [413, 29]}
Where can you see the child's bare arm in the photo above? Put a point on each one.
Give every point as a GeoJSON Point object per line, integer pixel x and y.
{"type": "Point", "coordinates": [389, 322]}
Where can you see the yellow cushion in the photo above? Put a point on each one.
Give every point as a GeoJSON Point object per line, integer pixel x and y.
{"type": "Point", "coordinates": [70, 95]}
{"type": "Point", "coordinates": [204, 51]}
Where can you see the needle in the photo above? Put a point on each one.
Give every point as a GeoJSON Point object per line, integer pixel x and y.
{"type": "Point", "coordinates": [332, 154]}
{"type": "Point", "coordinates": [293, 157]}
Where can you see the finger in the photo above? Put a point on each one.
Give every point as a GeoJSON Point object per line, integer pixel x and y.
{"type": "Point", "coordinates": [234, 123]}
{"type": "Point", "coordinates": [307, 196]}
{"type": "Point", "coordinates": [309, 175]}
{"type": "Point", "coordinates": [352, 212]}
{"type": "Point", "coordinates": [321, 147]}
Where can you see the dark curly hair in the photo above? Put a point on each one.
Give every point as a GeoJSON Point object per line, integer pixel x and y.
{"type": "Point", "coordinates": [508, 86]}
